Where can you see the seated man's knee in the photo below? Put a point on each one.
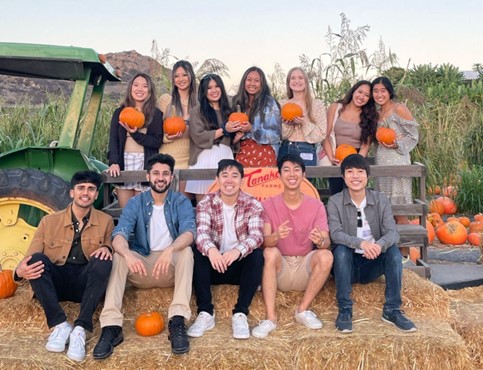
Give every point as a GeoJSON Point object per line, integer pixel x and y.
{"type": "Point", "coordinates": [101, 267]}
{"type": "Point", "coordinates": [271, 255]}
{"type": "Point", "coordinates": [324, 258]}
{"type": "Point", "coordinates": [393, 255]}
{"type": "Point", "coordinates": [36, 257]}
{"type": "Point", "coordinates": [343, 253]}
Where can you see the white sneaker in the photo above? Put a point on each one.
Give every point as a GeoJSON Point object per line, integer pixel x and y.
{"type": "Point", "coordinates": [77, 344]}
{"type": "Point", "coordinates": [59, 337]}
{"type": "Point", "coordinates": [203, 322]}
{"type": "Point", "coordinates": [309, 319]}
{"type": "Point", "coordinates": [264, 328]}
{"type": "Point", "coordinates": [239, 324]}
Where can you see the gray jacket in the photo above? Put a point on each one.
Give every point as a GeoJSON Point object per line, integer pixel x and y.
{"type": "Point", "coordinates": [342, 215]}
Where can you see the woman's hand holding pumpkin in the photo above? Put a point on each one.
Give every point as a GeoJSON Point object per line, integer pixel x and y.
{"type": "Point", "coordinates": [128, 129]}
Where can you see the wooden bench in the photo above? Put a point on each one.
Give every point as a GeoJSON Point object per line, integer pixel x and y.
{"type": "Point", "coordinates": [411, 235]}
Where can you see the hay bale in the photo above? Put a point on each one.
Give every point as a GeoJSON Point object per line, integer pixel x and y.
{"type": "Point", "coordinates": [373, 344]}
{"type": "Point", "coordinates": [467, 320]}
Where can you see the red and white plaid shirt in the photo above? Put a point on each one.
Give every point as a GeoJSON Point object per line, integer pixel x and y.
{"type": "Point", "coordinates": [248, 223]}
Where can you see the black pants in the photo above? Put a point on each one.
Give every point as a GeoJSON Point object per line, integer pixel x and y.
{"type": "Point", "coordinates": [84, 284]}
{"type": "Point", "coordinates": [246, 272]}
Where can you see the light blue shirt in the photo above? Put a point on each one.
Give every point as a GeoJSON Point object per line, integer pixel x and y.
{"type": "Point", "coordinates": [135, 219]}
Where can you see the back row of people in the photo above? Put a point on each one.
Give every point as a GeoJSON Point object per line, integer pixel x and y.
{"type": "Point", "coordinates": [264, 137]}
{"type": "Point", "coordinates": [283, 244]}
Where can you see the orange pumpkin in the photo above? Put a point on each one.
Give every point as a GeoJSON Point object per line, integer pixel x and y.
{"type": "Point", "coordinates": [436, 207]}
{"type": "Point", "coordinates": [385, 135]}
{"type": "Point", "coordinates": [449, 205]}
{"type": "Point", "coordinates": [7, 284]}
{"type": "Point", "coordinates": [450, 191]}
{"type": "Point", "coordinates": [435, 219]}
{"type": "Point", "coordinates": [452, 233]}
{"type": "Point", "coordinates": [478, 217]}
{"type": "Point", "coordinates": [174, 124]}
{"type": "Point", "coordinates": [238, 116]}
{"type": "Point", "coordinates": [148, 324]}
{"type": "Point", "coordinates": [414, 254]}
{"type": "Point", "coordinates": [291, 110]}
{"type": "Point", "coordinates": [434, 189]}
{"type": "Point", "coordinates": [474, 239]}
{"type": "Point", "coordinates": [476, 227]}
{"type": "Point", "coordinates": [465, 221]}
{"type": "Point", "coordinates": [102, 58]}
{"type": "Point", "coordinates": [429, 228]}
{"type": "Point", "coordinates": [343, 150]}
{"type": "Point", "coordinates": [132, 117]}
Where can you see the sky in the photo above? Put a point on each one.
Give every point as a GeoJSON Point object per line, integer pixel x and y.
{"type": "Point", "coordinates": [251, 32]}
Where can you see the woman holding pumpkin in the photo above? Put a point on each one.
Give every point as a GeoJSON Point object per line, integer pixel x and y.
{"type": "Point", "coordinates": [351, 120]}
{"type": "Point", "coordinates": [397, 117]}
{"type": "Point", "coordinates": [259, 146]}
{"type": "Point", "coordinates": [130, 148]}
{"type": "Point", "coordinates": [301, 133]}
{"type": "Point", "coordinates": [211, 136]}
{"type": "Point", "coordinates": [180, 102]}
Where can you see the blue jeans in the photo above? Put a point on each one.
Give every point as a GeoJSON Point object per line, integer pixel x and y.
{"type": "Point", "coordinates": [84, 284]}
{"type": "Point", "coordinates": [246, 272]}
{"type": "Point", "coordinates": [305, 150]}
{"type": "Point", "coordinates": [351, 268]}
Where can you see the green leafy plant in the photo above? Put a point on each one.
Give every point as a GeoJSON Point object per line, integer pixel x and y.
{"type": "Point", "coordinates": [470, 190]}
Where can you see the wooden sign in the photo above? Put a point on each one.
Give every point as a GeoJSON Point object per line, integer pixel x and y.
{"type": "Point", "coordinates": [264, 182]}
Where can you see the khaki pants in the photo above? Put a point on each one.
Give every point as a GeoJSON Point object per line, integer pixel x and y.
{"type": "Point", "coordinates": [180, 275]}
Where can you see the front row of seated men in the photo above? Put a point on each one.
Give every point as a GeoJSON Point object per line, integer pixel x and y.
{"type": "Point", "coordinates": [281, 244]}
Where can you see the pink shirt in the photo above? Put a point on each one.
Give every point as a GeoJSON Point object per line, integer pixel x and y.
{"type": "Point", "coordinates": [308, 215]}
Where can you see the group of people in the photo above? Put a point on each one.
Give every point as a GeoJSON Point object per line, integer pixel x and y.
{"type": "Point", "coordinates": [287, 242]}
{"type": "Point", "coordinates": [264, 137]}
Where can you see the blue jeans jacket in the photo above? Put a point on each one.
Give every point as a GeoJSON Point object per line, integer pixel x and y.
{"type": "Point", "coordinates": [135, 217]}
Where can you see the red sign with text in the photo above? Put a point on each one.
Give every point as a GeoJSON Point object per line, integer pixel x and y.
{"type": "Point", "coordinates": [264, 182]}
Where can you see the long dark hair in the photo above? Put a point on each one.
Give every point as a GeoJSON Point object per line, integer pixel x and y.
{"type": "Point", "coordinates": [260, 100]}
{"type": "Point", "coordinates": [149, 105]}
{"type": "Point", "coordinates": [192, 93]}
{"type": "Point", "coordinates": [206, 110]}
{"type": "Point", "coordinates": [368, 114]}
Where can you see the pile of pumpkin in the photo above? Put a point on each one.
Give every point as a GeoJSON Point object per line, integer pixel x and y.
{"type": "Point", "coordinates": [455, 230]}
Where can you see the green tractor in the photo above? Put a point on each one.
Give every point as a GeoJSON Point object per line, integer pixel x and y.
{"type": "Point", "coordinates": [34, 181]}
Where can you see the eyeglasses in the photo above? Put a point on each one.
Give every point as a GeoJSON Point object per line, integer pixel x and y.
{"type": "Point", "coordinates": [359, 218]}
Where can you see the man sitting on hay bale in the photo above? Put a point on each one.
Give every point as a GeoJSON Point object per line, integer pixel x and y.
{"type": "Point", "coordinates": [297, 255]}
{"type": "Point", "coordinates": [69, 259]}
{"type": "Point", "coordinates": [229, 234]}
{"type": "Point", "coordinates": [163, 224]}
{"type": "Point", "coordinates": [365, 236]}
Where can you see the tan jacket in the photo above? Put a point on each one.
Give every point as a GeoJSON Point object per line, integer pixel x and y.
{"type": "Point", "coordinates": [55, 234]}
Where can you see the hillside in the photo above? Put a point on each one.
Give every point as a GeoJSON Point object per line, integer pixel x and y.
{"type": "Point", "coordinates": [18, 89]}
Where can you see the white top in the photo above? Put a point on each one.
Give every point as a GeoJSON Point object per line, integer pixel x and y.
{"type": "Point", "coordinates": [159, 236]}
{"type": "Point", "coordinates": [363, 232]}
{"type": "Point", "coordinates": [229, 240]}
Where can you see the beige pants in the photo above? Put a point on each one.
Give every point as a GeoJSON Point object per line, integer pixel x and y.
{"type": "Point", "coordinates": [180, 275]}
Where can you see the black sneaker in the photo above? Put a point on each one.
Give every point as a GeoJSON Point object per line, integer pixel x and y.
{"type": "Point", "coordinates": [177, 335]}
{"type": "Point", "coordinates": [397, 318]}
{"type": "Point", "coordinates": [110, 337]}
{"type": "Point", "coordinates": [343, 323]}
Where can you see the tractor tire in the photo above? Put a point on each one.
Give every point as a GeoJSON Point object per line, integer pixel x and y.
{"type": "Point", "coordinates": [26, 195]}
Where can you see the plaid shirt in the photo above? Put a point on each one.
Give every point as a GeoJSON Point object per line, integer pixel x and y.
{"type": "Point", "coordinates": [248, 223]}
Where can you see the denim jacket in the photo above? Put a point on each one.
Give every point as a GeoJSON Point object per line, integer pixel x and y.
{"type": "Point", "coordinates": [135, 218]}
{"type": "Point", "coordinates": [268, 131]}
{"type": "Point", "coordinates": [343, 220]}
